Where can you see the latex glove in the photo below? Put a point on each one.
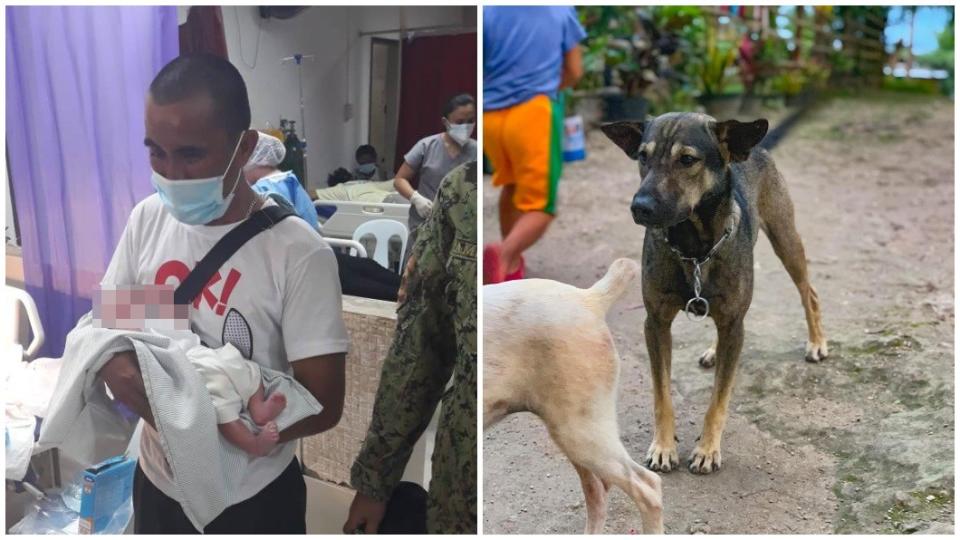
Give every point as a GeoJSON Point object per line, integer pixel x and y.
{"type": "Point", "coordinates": [423, 205]}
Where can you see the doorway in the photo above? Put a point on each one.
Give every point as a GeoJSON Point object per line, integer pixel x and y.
{"type": "Point", "coordinates": [384, 100]}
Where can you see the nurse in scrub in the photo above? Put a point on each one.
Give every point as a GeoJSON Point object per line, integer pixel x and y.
{"type": "Point", "coordinates": [433, 157]}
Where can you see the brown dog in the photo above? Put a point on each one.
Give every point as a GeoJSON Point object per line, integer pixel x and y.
{"type": "Point", "coordinates": [705, 191]}
{"type": "Point", "coordinates": [547, 350]}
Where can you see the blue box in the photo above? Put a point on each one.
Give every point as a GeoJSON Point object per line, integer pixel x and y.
{"type": "Point", "coordinates": [107, 486]}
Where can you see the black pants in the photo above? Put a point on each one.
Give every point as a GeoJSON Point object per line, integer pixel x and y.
{"type": "Point", "coordinates": [280, 508]}
{"type": "Point", "coordinates": [366, 278]}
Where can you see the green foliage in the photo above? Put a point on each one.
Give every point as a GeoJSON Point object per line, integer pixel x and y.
{"type": "Point", "coordinates": [816, 74]}
{"type": "Point", "coordinates": [945, 38]}
{"type": "Point", "coordinates": [711, 69]}
{"type": "Point", "coordinates": [773, 52]}
{"type": "Point", "coordinates": [620, 48]}
{"type": "Point", "coordinates": [678, 18]}
{"type": "Point", "coordinates": [617, 51]}
{"type": "Point", "coordinates": [789, 83]}
{"type": "Point", "coordinates": [912, 86]}
{"type": "Point", "coordinates": [943, 57]}
{"type": "Point", "coordinates": [602, 23]}
{"type": "Point", "coordinates": [938, 59]}
{"type": "Point", "coordinates": [678, 99]}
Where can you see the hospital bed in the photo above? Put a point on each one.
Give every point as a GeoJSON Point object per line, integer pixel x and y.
{"type": "Point", "coordinates": [351, 214]}
{"type": "Point", "coordinates": [22, 324]}
{"type": "Point", "coordinates": [340, 219]}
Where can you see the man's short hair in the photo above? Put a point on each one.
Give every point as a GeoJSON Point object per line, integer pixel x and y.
{"type": "Point", "coordinates": [365, 150]}
{"type": "Point", "coordinates": [187, 76]}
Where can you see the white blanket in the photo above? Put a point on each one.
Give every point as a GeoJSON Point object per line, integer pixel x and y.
{"type": "Point", "coordinates": [207, 469]}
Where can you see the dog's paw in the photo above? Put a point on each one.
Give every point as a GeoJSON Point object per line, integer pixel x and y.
{"type": "Point", "coordinates": [708, 359]}
{"type": "Point", "coordinates": [662, 458]}
{"type": "Point", "coordinates": [704, 460]}
{"type": "Point", "coordinates": [816, 351]}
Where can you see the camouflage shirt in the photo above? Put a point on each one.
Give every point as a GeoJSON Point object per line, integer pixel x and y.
{"type": "Point", "coordinates": [435, 344]}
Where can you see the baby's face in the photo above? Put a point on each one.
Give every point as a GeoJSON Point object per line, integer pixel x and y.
{"type": "Point", "coordinates": [138, 307]}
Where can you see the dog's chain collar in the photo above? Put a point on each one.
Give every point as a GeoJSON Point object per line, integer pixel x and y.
{"type": "Point", "coordinates": [697, 263]}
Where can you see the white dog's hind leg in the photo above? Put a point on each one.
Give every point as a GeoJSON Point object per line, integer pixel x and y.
{"type": "Point", "coordinates": [595, 493]}
{"type": "Point", "coordinates": [596, 446]}
{"type": "Point", "coordinates": [653, 519]}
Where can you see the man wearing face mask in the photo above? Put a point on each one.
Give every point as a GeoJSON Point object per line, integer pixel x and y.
{"type": "Point", "coordinates": [366, 169]}
{"type": "Point", "coordinates": [433, 157]}
{"type": "Point", "coordinates": [277, 298]}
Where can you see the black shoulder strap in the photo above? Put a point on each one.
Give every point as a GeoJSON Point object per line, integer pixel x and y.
{"type": "Point", "coordinates": [259, 221]}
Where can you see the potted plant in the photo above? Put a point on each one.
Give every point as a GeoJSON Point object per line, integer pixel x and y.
{"type": "Point", "coordinates": [634, 53]}
{"type": "Point", "coordinates": [631, 60]}
{"type": "Point", "coordinates": [791, 85]}
{"type": "Point", "coordinates": [760, 61]}
{"type": "Point", "coordinates": [681, 30]}
{"type": "Point", "coordinates": [585, 100]}
{"type": "Point", "coordinates": [712, 74]}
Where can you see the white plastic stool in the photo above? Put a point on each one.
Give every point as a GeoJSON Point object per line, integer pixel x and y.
{"type": "Point", "coordinates": [383, 230]}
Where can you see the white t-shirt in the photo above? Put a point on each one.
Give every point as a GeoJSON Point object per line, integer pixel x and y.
{"type": "Point", "coordinates": [277, 300]}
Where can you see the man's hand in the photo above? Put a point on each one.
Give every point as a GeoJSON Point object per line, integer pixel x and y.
{"type": "Point", "coordinates": [364, 512]}
{"type": "Point", "coordinates": [572, 69]}
{"type": "Point", "coordinates": [122, 376]}
{"type": "Point", "coordinates": [325, 378]}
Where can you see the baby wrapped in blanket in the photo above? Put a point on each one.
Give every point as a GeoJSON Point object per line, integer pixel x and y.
{"type": "Point", "coordinates": [234, 383]}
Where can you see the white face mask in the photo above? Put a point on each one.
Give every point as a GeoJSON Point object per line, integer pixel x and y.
{"type": "Point", "coordinates": [459, 132]}
{"type": "Point", "coordinates": [196, 201]}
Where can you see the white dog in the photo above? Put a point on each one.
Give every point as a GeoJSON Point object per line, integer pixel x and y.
{"type": "Point", "coordinates": [547, 350]}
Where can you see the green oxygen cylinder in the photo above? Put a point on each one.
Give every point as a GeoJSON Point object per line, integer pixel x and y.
{"type": "Point", "coordinates": [293, 161]}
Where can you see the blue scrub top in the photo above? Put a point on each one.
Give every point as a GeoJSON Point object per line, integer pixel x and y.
{"type": "Point", "coordinates": [286, 185]}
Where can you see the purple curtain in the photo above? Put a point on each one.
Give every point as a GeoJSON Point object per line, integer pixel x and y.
{"type": "Point", "coordinates": [76, 80]}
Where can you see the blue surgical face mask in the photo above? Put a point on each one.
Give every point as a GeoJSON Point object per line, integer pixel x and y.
{"type": "Point", "coordinates": [367, 169]}
{"type": "Point", "coordinates": [196, 201]}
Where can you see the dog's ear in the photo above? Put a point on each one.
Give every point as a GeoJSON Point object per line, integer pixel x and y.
{"type": "Point", "coordinates": [627, 135]}
{"type": "Point", "coordinates": [738, 138]}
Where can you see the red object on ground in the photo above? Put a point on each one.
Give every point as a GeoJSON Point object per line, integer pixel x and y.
{"type": "Point", "coordinates": [519, 274]}
{"type": "Point", "coordinates": [492, 265]}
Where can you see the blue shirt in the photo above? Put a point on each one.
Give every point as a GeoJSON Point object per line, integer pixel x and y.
{"type": "Point", "coordinates": [286, 185]}
{"type": "Point", "coordinates": [523, 50]}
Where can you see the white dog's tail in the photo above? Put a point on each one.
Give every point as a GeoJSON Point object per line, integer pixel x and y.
{"type": "Point", "coordinates": [612, 285]}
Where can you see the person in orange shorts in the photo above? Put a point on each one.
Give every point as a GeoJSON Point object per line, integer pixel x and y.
{"type": "Point", "coordinates": [529, 55]}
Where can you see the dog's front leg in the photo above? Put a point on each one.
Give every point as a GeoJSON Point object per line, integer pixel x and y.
{"type": "Point", "coordinates": [706, 456]}
{"type": "Point", "coordinates": [662, 455]}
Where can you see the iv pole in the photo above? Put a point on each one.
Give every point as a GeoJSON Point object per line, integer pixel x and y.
{"type": "Point", "coordinates": [298, 58]}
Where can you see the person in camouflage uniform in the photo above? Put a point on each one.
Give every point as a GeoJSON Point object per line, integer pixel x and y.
{"type": "Point", "coordinates": [436, 339]}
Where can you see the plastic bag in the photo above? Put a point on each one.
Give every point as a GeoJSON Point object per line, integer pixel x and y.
{"type": "Point", "coordinates": [60, 514]}
{"type": "Point", "coordinates": [48, 516]}
{"type": "Point", "coordinates": [18, 446]}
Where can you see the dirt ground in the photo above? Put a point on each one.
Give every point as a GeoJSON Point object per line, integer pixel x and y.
{"type": "Point", "coordinates": [862, 443]}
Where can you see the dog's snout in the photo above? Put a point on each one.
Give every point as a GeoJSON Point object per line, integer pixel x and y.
{"type": "Point", "coordinates": [642, 208]}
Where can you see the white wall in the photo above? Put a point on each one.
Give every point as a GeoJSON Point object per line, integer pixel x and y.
{"type": "Point", "coordinates": [325, 32]}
